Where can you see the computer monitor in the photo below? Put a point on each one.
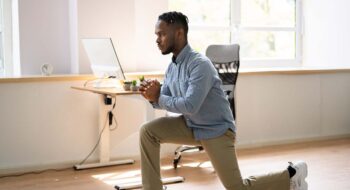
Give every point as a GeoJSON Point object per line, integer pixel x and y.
{"type": "Point", "coordinates": [103, 58]}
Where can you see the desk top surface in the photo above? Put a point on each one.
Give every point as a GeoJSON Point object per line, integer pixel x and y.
{"type": "Point", "coordinates": [108, 91]}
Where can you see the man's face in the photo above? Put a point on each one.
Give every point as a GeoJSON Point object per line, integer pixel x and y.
{"type": "Point", "coordinates": [165, 37]}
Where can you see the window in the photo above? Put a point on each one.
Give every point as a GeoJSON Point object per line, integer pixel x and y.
{"type": "Point", "coordinates": [268, 31]}
{"type": "Point", "coordinates": [2, 66]}
{"type": "Point", "coordinates": [6, 64]}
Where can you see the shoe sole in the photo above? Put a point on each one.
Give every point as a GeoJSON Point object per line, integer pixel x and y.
{"type": "Point", "coordinates": [303, 174]}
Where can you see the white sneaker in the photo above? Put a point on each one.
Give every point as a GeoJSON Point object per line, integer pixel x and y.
{"type": "Point", "coordinates": [297, 182]}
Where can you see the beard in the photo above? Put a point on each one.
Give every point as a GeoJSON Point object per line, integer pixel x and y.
{"type": "Point", "coordinates": [168, 50]}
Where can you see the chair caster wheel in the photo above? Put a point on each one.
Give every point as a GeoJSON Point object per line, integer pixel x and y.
{"type": "Point", "coordinates": [176, 161]}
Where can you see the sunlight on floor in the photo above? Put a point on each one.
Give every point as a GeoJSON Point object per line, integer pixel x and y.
{"type": "Point", "coordinates": [206, 164]}
{"type": "Point", "coordinates": [120, 178]}
{"type": "Point", "coordinates": [134, 176]}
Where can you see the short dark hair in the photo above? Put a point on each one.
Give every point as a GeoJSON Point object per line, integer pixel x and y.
{"type": "Point", "coordinates": [176, 18]}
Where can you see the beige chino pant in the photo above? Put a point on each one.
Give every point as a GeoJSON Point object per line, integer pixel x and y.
{"type": "Point", "coordinates": [221, 151]}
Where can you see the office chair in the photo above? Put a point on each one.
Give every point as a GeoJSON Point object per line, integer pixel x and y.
{"type": "Point", "coordinates": [226, 61]}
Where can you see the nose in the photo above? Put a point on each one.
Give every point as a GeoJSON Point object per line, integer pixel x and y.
{"type": "Point", "coordinates": [158, 40]}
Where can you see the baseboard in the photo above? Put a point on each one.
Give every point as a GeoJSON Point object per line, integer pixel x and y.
{"type": "Point", "coordinates": [264, 143]}
{"type": "Point", "coordinates": [36, 168]}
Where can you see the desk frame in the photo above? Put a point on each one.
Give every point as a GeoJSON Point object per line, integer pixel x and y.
{"type": "Point", "coordinates": [104, 145]}
{"type": "Point", "coordinates": [105, 105]}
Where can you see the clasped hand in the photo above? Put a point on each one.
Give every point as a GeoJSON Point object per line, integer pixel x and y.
{"type": "Point", "coordinates": [150, 90]}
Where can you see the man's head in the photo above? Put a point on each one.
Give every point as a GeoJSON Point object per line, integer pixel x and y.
{"type": "Point", "coordinates": [171, 31]}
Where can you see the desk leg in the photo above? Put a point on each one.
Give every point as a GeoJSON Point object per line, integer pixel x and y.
{"type": "Point", "coordinates": [103, 125]}
{"type": "Point", "coordinates": [104, 146]}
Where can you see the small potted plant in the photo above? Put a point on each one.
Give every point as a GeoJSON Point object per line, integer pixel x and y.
{"type": "Point", "coordinates": [127, 85]}
{"type": "Point", "coordinates": [134, 85]}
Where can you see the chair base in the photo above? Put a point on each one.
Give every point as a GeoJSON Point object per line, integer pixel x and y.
{"type": "Point", "coordinates": [184, 148]}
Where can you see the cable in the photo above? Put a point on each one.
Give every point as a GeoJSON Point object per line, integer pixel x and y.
{"type": "Point", "coordinates": [104, 127]}
{"type": "Point", "coordinates": [96, 79]}
{"type": "Point", "coordinates": [116, 125]}
{"type": "Point", "coordinates": [90, 80]}
{"type": "Point", "coordinates": [37, 172]}
{"type": "Point", "coordinates": [113, 117]}
{"type": "Point", "coordinates": [98, 142]}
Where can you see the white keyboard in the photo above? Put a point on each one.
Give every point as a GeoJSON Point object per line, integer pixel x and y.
{"type": "Point", "coordinates": [107, 83]}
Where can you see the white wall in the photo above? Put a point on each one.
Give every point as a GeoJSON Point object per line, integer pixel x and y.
{"type": "Point", "coordinates": [48, 124]}
{"type": "Point", "coordinates": [44, 35]}
{"type": "Point", "coordinates": [326, 33]}
{"type": "Point", "coordinates": [275, 108]}
{"type": "Point", "coordinates": [40, 123]}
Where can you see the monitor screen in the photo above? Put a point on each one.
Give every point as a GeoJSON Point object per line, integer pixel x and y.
{"type": "Point", "coordinates": [103, 58]}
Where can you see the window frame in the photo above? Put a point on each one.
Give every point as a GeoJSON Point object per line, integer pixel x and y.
{"type": "Point", "coordinates": [235, 28]}
{"type": "Point", "coordinates": [2, 64]}
{"type": "Point", "coordinates": [7, 37]}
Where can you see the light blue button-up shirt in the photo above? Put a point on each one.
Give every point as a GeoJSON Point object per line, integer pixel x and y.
{"type": "Point", "coordinates": [192, 88]}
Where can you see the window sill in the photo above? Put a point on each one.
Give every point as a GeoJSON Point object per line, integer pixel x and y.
{"type": "Point", "coordinates": [159, 74]}
{"type": "Point", "coordinates": [38, 78]}
{"type": "Point", "coordinates": [58, 78]}
{"type": "Point", "coordinates": [292, 70]}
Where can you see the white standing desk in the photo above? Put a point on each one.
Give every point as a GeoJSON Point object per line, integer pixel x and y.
{"type": "Point", "coordinates": [104, 107]}
{"type": "Point", "coordinates": [104, 145]}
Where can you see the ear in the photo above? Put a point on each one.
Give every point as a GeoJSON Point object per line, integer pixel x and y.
{"type": "Point", "coordinates": [180, 33]}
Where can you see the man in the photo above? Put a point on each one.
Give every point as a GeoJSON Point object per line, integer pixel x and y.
{"type": "Point", "coordinates": [192, 88]}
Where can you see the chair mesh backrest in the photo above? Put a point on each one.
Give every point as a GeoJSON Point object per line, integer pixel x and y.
{"type": "Point", "coordinates": [226, 61]}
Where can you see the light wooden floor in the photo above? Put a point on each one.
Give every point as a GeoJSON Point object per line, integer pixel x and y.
{"type": "Point", "coordinates": [328, 161]}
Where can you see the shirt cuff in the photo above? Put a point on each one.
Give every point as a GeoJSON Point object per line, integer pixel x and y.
{"type": "Point", "coordinates": [162, 101]}
{"type": "Point", "coordinates": [154, 105]}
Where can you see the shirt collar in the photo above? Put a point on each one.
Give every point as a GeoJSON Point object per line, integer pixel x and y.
{"type": "Point", "coordinates": [182, 55]}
